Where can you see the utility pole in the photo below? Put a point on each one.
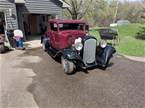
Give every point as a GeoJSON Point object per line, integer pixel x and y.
{"type": "Point", "coordinates": [116, 10]}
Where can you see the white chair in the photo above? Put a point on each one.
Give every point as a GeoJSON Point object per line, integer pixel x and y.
{"type": "Point", "coordinates": [18, 33]}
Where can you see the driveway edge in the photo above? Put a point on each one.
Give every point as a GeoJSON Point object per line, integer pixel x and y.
{"type": "Point", "coordinates": [134, 58]}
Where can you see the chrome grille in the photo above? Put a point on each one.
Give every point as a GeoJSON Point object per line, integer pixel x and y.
{"type": "Point", "coordinates": [89, 53]}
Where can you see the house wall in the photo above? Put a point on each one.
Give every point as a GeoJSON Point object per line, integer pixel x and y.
{"type": "Point", "coordinates": [52, 7]}
{"type": "Point", "coordinates": [46, 7]}
{"type": "Point", "coordinates": [11, 21]}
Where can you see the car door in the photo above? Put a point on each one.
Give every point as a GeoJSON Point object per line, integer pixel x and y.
{"type": "Point", "coordinates": [54, 37]}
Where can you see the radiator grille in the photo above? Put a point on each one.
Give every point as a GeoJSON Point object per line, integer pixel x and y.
{"type": "Point", "coordinates": [89, 53]}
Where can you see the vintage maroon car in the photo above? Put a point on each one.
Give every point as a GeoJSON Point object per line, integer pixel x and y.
{"type": "Point", "coordinates": [69, 40]}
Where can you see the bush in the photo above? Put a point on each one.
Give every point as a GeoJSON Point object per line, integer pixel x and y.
{"type": "Point", "coordinates": [141, 34]}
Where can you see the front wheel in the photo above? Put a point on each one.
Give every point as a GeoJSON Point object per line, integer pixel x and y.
{"type": "Point", "coordinates": [68, 66]}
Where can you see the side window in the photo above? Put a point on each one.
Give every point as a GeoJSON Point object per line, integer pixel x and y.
{"type": "Point", "coordinates": [53, 26]}
{"type": "Point", "coordinates": [80, 27]}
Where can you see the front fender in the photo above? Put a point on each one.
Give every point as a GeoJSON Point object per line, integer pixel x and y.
{"type": "Point", "coordinates": [106, 54]}
{"type": "Point", "coordinates": [70, 54]}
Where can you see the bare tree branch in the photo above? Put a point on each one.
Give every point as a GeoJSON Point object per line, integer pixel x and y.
{"type": "Point", "coordinates": [78, 8]}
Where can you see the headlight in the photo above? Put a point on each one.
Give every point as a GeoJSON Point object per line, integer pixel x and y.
{"type": "Point", "coordinates": [103, 43]}
{"type": "Point", "coordinates": [78, 44]}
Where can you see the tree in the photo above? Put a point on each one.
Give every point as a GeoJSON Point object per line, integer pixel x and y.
{"type": "Point", "coordinates": [141, 33]}
{"type": "Point", "coordinates": [78, 8]}
{"type": "Point", "coordinates": [131, 11]}
{"type": "Point", "coordinates": [101, 12]}
{"type": "Point", "coordinates": [104, 12]}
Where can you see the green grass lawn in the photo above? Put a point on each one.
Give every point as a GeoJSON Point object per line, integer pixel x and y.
{"type": "Point", "coordinates": [128, 44]}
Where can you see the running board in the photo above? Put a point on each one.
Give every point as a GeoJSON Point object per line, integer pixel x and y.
{"type": "Point", "coordinates": [53, 52]}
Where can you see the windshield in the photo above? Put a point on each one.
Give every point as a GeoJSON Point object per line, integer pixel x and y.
{"type": "Point", "coordinates": [71, 26]}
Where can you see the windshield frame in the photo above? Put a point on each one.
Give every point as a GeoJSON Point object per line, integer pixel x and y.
{"type": "Point", "coordinates": [83, 29]}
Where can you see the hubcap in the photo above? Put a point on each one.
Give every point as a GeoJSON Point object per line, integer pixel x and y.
{"type": "Point", "coordinates": [65, 64]}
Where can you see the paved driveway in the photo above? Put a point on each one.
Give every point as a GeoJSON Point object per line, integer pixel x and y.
{"type": "Point", "coordinates": [32, 79]}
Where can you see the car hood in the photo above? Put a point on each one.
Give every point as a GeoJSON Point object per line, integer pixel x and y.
{"type": "Point", "coordinates": [71, 35]}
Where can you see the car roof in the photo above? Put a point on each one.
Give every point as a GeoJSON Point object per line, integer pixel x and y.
{"type": "Point", "coordinates": [65, 21]}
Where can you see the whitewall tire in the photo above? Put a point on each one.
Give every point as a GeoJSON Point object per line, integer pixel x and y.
{"type": "Point", "coordinates": [68, 66]}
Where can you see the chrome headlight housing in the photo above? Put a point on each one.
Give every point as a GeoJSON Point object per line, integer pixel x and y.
{"type": "Point", "coordinates": [78, 44]}
{"type": "Point", "coordinates": [103, 43]}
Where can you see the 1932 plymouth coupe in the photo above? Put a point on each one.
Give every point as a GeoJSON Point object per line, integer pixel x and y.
{"type": "Point", "coordinates": [69, 40]}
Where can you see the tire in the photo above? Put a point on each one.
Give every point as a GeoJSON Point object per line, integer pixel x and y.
{"type": "Point", "coordinates": [2, 48]}
{"type": "Point", "coordinates": [67, 66]}
{"type": "Point", "coordinates": [44, 42]}
{"type": "Point", "coordinates": [43, 46]}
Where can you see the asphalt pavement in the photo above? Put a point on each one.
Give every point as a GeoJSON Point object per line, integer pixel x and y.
{"type": "Point", "coordinates": [32, 79]}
